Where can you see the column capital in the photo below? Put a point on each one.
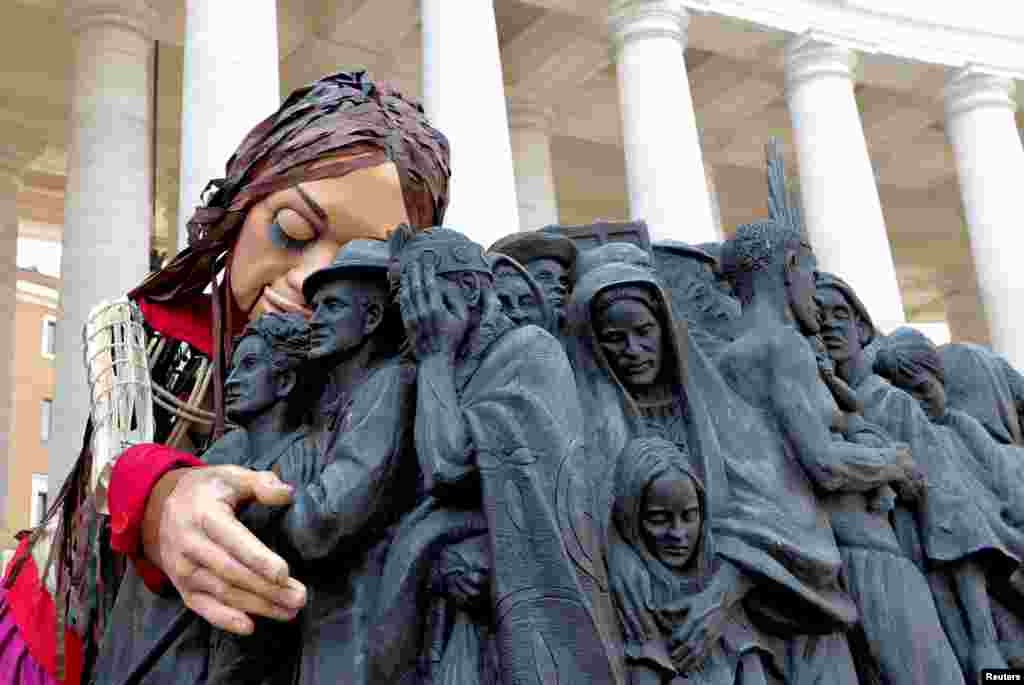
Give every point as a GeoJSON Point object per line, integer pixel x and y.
{"type": "Point", "coordinates": [973, 86]}
{"type": "Point", "coordinates": [808, 57]}
{"type": "Point", "coordinates": [630, 20]}
{"type": "Point", "coordinates": [524, 114]}
{"type": "Point", "coordinates": [135, 15]}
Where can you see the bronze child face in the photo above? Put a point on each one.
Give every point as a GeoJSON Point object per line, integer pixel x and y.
{"type": "Point", "coordinates": [252, 386]}
{"type": "Point", "coordinates": [631, 339]}
{"type": "Point", "coordinates": [553, 278]}
{"type": "Point", "coordinates": [672, 519]}
{"type": "Point", "coordinates": [517, 299]}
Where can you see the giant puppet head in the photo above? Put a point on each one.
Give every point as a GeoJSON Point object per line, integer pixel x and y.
{"type": "Point", "coordinates": [342, 158]}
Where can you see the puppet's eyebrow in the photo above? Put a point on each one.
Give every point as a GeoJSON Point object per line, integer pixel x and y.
{"type": "Point", "coordinates": [313, 204]}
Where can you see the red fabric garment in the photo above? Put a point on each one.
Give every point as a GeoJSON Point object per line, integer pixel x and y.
{"type": "Point", "coordinates": [73, 658]}
{"type": "Point", "coordinates": [135, 474]}
{"type": "Point", "coordinates": [34, 612]}
{"type": "Point", "coordinates": [189, 319]}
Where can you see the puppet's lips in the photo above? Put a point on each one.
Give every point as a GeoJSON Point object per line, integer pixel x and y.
{"type": "Point", "coordinates": [832, 341]}
{"type": "Point", "coordinates": [676, 551]}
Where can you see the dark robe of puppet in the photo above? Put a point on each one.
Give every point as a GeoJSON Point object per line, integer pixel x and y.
{"type": "Point", "coordinates": [644, 588]}
{"type": "Point", "coordinates": [982, 384]}
{"type": "Point", "coordinates": [762, 507]}
{"type": "Point", "coordinates": [140, 618]}
{"type": "Point", "coordinates": [955, 518]}
{"type": "Point", "coordinates": [269, 655]}
{"type": "Point", "coordinates": [517, 396]}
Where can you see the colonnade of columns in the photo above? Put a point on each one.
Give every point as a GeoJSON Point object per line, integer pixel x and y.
{"type": "Point", "coordinates": [503, 179]}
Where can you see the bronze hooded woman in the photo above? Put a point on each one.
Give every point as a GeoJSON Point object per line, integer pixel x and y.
{"type": "Point", "coordinates": [645, 584]}
{"type": "Point", "coordinates": [984, 385]}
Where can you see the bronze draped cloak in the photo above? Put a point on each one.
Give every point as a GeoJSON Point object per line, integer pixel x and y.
{"type": "Point", "coordinates": [763, 511]}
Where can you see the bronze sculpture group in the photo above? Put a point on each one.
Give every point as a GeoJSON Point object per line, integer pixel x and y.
{"type": "Point", "coordinates": [593, 499]}
{"type": "Point", "coordinates": [575, 457]}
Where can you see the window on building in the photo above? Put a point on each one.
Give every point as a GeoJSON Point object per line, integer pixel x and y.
{"type": "Point", "coordinates": [40, 499]}
{"type": "Point", "coordinates": [49, 337]}
{"type": "Point", "coordinates": [45, 419]}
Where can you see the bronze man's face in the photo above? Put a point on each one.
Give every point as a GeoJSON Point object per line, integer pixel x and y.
{"type": "Point", "coordinates": [517, 299]}
{"type": "Point", "coordinates": [671, 520]}
{"type": "Point", "coordinates": [631, 338]}
{"type": "Point", "coordinates": [839, 329]}
{"type": "Point", "coordinates": [343, 315]}
{"type": "Point", "coordinates": [251, 387]}
{"type": "Point", "coordinates": [553, 278]}
{"type": "Point", "coordinates": [296, 231]}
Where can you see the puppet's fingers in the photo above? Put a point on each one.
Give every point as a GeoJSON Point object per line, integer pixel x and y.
{"type": "Point", "coordinates": [206, 583]}
{"type": "Point", "coordinates": [238, 557]}
{"type": "Point", "coordinates": [218, 614]}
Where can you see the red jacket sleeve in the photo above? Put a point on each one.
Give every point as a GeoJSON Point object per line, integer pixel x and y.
{"type": "Point", "coordinates": [134, 475]}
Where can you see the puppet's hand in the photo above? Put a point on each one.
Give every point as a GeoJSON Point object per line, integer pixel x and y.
{"type": "Point", "coordinates": [223, 572]}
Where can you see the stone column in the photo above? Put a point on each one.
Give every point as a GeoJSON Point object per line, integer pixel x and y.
{"type": "Point", "coordinates": [108, 204]}
{"type": "Point", "coordinates": [980, 126]}
{"type": "Point", "coordinates": [530, 130]}
{"type": "Point", "coordinates": [664, 165]}
{"type": "Point", "coordinates": [464, 97]}
{"type": "Point", "coordinates": [842, 209]}
{"type": "Point", "coordinates": [16, 151]}
{"type": "Point", "coordinates": [231, 82]}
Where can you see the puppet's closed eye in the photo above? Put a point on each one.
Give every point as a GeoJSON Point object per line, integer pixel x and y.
{"type": "Point", "coordinates": [289, 230]}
